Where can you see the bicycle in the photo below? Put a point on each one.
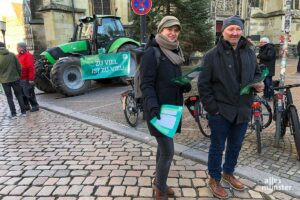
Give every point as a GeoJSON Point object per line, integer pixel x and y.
{"type": "Point", "coordinates": [196, 109]}
{"type": "Point", "coordinates": [286, 115]}
{"type": "Point", "coordinates": [261, 118]}
{"type": "Point", "coordinates": [131, 106]}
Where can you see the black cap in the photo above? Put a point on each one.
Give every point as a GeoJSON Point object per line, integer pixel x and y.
{"type": "Point", "coordinates": [233, 20]}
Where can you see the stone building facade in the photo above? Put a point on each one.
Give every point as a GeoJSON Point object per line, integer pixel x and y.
{"type": "Point", "coordinates": [262, 17]}
{"type": "Point", "coordinates": [51, 22]}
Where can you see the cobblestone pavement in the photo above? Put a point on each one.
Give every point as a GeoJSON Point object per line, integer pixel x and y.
{"type": "Point", "coordinates": [48, 156]}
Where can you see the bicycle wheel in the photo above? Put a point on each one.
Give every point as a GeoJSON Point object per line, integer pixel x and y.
{"type": "Point", "coordinates": [201, 119]}
{"type": "Point", "coordinates": [266, 113]}
{"type": "Point", "coordinates": [258, 128]}
{"type": "Point", "coordinates": [295, 128]}
{"type": "Point", "coordinates": [131, 110]}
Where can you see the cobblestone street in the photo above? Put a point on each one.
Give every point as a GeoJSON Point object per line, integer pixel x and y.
{"type": "Point", "coordinates": [49, 156]}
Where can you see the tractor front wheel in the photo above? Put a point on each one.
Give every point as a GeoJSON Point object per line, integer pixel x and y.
{"type": "Point", "coordinates": [127, 47]}
{"type": "Point", "coordinates": [66, 76]}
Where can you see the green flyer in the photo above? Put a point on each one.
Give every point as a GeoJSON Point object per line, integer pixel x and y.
{"type": "Point", "coordinates": [187, 78]}
{"type": "Point", "coordinates": [246, 89]}
{"type": "Point", "coordinates": [170, 116]}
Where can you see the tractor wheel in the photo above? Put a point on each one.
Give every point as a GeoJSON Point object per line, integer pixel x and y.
{"type": "Point", "coordinates": [42, 78]}
{"type": "Point", "coordinates": [133, 64]}
{"type": "Point", "coordinates": [66, 76]}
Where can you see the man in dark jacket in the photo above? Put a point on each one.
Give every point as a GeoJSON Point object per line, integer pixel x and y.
{"type": "Point", "coordinates": [229, 66]}
{"type": "Point", "coordinates": [10, 72]}
{"type": "Point", "coordinates": [267, 58]}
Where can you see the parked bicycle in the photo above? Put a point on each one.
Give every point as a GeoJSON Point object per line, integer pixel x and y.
{"type": "Point", "coordinates": [261, 118]}
{"type": "Point", "coordinates": [131, 106]}
{"type": "Point", "coordinates": [285, 115]}
{"type": "Point", "coordinates": [196, 109]}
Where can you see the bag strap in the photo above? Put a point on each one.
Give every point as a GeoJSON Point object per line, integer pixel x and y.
{"type": "Point", "coordinates": [157, 55]}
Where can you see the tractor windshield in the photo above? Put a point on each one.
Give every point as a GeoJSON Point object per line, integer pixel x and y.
{"type": "Point", "coordinates": [110, 28]}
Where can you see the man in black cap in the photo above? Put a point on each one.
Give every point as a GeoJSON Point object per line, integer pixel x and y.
{"type": "Point", "coordinates": [230, 65]}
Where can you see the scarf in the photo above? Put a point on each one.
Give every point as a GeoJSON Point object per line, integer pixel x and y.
{"type": "Point", "coordinates": [166, 46]}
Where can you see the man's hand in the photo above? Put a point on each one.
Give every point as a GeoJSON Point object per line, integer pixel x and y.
{"type": "Point", "coordinates": [155, 113]}
{"type": "Point", "coordinates": [259, 87]}
{"type": "Point", "coordinates": [31, 82]}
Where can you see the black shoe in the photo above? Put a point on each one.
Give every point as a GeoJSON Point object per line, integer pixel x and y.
{"type": "Point", "coordinates": [34, 109]}
{"type": "Point", "coordinates": [27, 107]}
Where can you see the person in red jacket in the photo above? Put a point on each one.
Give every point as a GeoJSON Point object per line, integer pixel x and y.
{"type": "Point", "coordinates": [27, 77]}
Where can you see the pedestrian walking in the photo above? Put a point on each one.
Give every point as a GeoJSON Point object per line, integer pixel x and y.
{"type": "Point", "coordinates": [158, 89]}
{"type": "Point", "coordinates": [298, 51]}
{"type": "Point", "coordinates": [26, 60]}
{"type": "Point", "coordinates": [267, 58]}
{"type": "Point", "coordinates": [229, 65]}
{"type": "Point", "coordinates": [10, 73]}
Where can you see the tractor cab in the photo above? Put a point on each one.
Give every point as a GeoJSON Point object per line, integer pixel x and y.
{"type": "Point", "coordinates": [101, 32]}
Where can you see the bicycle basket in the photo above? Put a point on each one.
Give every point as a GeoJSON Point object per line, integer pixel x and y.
{"type": "Point", "coordinates": [190, 103]}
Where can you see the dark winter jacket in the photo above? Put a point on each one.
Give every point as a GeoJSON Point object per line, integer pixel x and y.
{"type": "Point", "coordinates": [226, 71]}
{"type": "Point", "coordinates": [267, 56]}
{"type": "Point", "coordinates": [10, 68]}
{"type": "Point", "coordinates": [156, 85]}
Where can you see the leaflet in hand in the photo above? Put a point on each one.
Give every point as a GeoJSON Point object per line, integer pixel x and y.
{"type": "Point", "coordinates": [246, 89]}
{"type": "Point", "coordinates": [185, 79]}
{"type": "Point", "coordinates": [170, 116]}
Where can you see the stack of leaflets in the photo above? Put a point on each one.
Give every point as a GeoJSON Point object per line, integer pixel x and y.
{"type": "Point", "coordinates": [170, 116]}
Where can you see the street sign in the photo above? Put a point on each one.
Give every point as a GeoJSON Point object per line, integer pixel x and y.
{"type": "Point", "coordinates": [141, 7]}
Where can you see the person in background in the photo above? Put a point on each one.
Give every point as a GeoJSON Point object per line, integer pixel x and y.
{"type": "Point", "coordinates": [10, 73]}
{"type": "Point", "coordinates": [228, 66]}
{"type": "Point", "coordinates": [250, 43]}
{"type": "Point", "coordinates": [298, 51]}
{"type": "Point", "coordinates": [27, 77]}
{"type": "Point", "coordinates": [157, 89]}
{"type": "Point", "coordinates": [267, 58]}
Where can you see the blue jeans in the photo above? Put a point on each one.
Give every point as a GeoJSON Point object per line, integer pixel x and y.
{"type": "Point", "coordinates": [15, 85]}
{"type": "Point", "coordinates": [164, 157]}
{"type": "Point", "coordinates": [222, 130]}
{"type": "Point", "coordinates": [268, 91]}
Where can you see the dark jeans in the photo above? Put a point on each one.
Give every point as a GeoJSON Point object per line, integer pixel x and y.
{"type": "Point", "coordinates": [15, 85]}
{"type": "Point", "coordinates": [164, 157]}
{"type": "Point", "coordinates": [28, 94]}
{"type": "Point", "coordinates": [268, 91]}
{"type": "Point", "coordinates": [222, 130]}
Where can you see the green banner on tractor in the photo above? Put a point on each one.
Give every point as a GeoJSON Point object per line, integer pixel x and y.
{"type": "Point", "coordinates": [105, 65]}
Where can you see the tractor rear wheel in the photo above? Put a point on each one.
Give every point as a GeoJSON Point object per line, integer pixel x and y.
{"type": "Point", "coordinates": [66, 76]}
{"type": "Point", "coordinates": [42, 78]}
{"type": "Point", "coordinates": [127, 47]}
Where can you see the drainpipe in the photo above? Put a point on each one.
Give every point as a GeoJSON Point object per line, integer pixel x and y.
{"type": "Point", "coordinates": [73, 14]}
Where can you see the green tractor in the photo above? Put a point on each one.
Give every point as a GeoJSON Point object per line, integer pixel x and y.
{"type": "Point", "coordinates": [59, 68]}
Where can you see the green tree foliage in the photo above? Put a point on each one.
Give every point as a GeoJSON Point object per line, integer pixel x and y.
{"type": "Point", "coordinates": [194, 15]}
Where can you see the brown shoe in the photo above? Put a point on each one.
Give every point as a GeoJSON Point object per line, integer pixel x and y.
{"type": "Point", "coordinates": [217, 189]}
{"type": "Point", "coordinates": [160, 196]}
{"type": "Point", "coordinates": [170, 191]}
{"type": "Point", "coordinates": [233, 182]}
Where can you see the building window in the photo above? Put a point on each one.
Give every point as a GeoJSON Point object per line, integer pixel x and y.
{"type": "Point", "coordinates": [254, 3]}
{"type": "Point", "coordinates": [295, 4]}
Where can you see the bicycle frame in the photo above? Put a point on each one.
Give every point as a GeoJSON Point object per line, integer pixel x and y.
{"type": "Point", "coordinates": [257, 112]}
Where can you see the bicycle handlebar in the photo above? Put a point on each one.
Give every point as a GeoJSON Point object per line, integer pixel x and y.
{"type": "Point", "coordinates": [286, 86]}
